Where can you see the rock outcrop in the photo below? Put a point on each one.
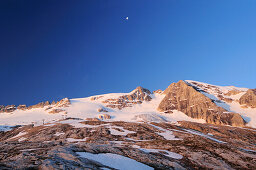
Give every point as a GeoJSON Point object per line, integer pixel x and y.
{"type": "Point", "coordinates": [104, 116]}
{"type": "Point", "coordinates": [159, 91]}
{"type": "Point", "coordinates": [137, 96]}
{"type": "Point", "coordinates": [233, 92]}
{"type": "Point", "coordinates": [182, 97]}
{"type": "Point", "coordinates": [102, 110]}
{"type": "Point", "coordinates": [54, 111]}
{"type": "Point", "coordinates": [249, 98]}
{"type": "Point", "coordinates": [39, 105]}
{"type": "Point", "coordinates": [8, 108]}
{"type": "Point", "coordinates": [22, 107]}
{"type": "Point", "coordinates": [62, 103]}
{"type": "Point", "coordinates": [96, 97]}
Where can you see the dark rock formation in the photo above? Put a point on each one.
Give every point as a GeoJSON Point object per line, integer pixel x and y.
{"type": "Point", "coordinates": [10, 108]}
{"type": "Point", "coordinates": [249, 98]}
{"type": "Point", "coordinates": [182, 97]}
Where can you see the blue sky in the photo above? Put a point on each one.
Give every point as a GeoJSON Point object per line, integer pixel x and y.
{"type": "Point", "coordinates": [55, 49]}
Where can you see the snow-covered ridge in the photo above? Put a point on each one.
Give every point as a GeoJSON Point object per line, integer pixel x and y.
{"type": "Point", "coordinates": [89, 107]}
{"type": "Point", "coordinates": [223, 89]}
{"type": "Point", "coordinates": [138, 110]}
{"type": "Point", "coordinates": [220, 95]}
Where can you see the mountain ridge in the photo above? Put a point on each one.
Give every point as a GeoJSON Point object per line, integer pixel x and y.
{"type": "Point", "coordinates": [59, 135]}
{"type": "Point", "coordinates": [216, 105]}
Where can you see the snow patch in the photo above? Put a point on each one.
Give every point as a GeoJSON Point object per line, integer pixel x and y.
{"type": "Point", "coordinates": [115, 161]}
{"type": "Point", "coordinates": [122, 131]}
{"type": "Point", "coordinates": [169, 154]}
{"type": "Point", "coordinates": [19, 135]}
{"type": "Point", "coordinates": [168, 135]}
{"type": "Point", "coordinates": [76, 140]}
{"type": "Point", "coordinates": [203, 135]}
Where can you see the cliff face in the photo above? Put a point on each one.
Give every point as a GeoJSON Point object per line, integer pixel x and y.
{"type": "Point", "coordinates": [182, 97]}
{"type": "Point", "coordinates": [249, 98]}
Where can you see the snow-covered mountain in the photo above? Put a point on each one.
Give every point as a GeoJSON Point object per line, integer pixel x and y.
{"type": "Point", "coordinates": [229, 98]}
{"type": "Point", "coordinates": [138, 105]}
{"type": "Point", "coordinates": [189, 125]}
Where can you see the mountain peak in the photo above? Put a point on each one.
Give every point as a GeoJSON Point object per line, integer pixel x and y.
{"type": "Point", "coordinates": [142, 90]}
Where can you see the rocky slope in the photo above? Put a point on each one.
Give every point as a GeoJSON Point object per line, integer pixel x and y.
{"type": "Point", "coordinates": [230, 98]}
{"type": "Point", "coordinates": [182, 97]}
{"type": "Point", "coordinates": [157, 145]}
{"type": "Point", "coordinates": [137, 96]}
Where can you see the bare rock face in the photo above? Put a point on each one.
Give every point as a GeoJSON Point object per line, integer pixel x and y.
{"type": "Point", "coordinates": [249, 98]}
{"type": "Point", "coordinates": [63, 103]}
{"type": "Point", "coordinates": [233, 92]}
{"type": "Point", "coordinates": [137, 96]}
{"type": "Point", "coordinates": [182, 97]}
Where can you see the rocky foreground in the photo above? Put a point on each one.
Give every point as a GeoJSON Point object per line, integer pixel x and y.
{"type": "Point", "coordinates": [185, 145]}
